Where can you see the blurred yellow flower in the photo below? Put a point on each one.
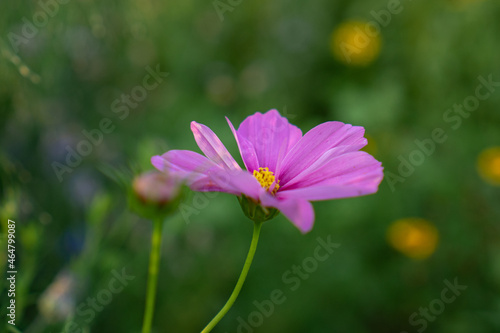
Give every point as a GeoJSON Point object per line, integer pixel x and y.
{"type": "Point", "coordinates": [356, 42]}
{"type": "Point", "coordinates": [488, 165]}
{"type": "Point", "coordinates": [414, 237]}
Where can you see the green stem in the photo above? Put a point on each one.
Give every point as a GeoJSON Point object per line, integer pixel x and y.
{"type": "Point", "coordinates": [248, 262]}
{"type": "Point", "coordinates": [154, 263]}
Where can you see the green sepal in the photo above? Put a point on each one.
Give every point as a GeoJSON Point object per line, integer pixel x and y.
{"type": "Point", "coordinates": [156, 210]}
{"type": "Point", "coordinates": [255, 211]}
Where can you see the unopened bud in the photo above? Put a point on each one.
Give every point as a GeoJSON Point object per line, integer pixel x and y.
{"type": "Point", "coordinates": [155, 194]}
{"type": "Point", "coordinates": [156, 187]}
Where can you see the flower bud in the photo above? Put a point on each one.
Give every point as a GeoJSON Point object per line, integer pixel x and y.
{"type": "Point", "coordinates": [155, 187]}
{"type": "Point", "coordinates": [155, 194]}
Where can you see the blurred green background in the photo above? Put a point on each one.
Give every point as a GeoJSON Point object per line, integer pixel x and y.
{"type": "Point", "coordinates": [64, 68]}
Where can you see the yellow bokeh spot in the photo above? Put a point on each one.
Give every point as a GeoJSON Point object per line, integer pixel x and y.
{"type": "Point", "coordinates": [356, 43]}
{"type": "Point", "coordinates": [266, 179]}
{"type": "Point", "coordinates": [414, 237]}
{"type": "Point", "coordinates": [488, 165]}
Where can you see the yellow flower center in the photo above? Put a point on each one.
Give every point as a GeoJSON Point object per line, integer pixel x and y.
{"type": "Point", "coordinates": [266, 179]}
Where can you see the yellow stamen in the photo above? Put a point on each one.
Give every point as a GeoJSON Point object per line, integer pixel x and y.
{"type": "Point", "coordinates": [266, 179]}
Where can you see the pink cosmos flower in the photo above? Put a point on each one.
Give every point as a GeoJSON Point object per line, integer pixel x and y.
{"type": "Point", "coordinates": [284, 169]}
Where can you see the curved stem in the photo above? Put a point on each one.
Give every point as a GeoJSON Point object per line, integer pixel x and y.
{"type": "Point", "coordinates": [154, 263]}
{"type": "Point", "coordinates": [248, 262]}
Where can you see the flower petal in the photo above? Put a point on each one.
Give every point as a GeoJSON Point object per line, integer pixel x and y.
{"type": "Point", "coordinates": [299, 211]}
{"type": "Point", "coordinates": [213, 148]}
{"type": "Point", "coordinates": [348, 175]}
{"type": "Point", "coordinates": [330, 192]}
{"type": "Point", "coordinates": [188, 165]}
{"type": "Point", "coordinates": [247, 150]}
{"type": "Point", "coordinates": [336, 169]}
{"type": "Point", "coordinates": [318, 141]}
{"type": "Point", "coordinates": [202, 174]}
{"type": "Point", "coordinates": [271, 137]}
{"type": "Point", "coordinates": [182, 162]}
{"type": "Point", "coordinates": [237, 182]}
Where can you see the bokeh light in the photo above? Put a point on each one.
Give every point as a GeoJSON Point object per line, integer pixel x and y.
{"type": "Point", "coordinates": [414, 237]}
{"type": "Point", "coordinates": [58, 301]}
{"type": "Point", "coordinates": [356, 43]}
{"type": "Point", "coordinates": [488, 165]}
